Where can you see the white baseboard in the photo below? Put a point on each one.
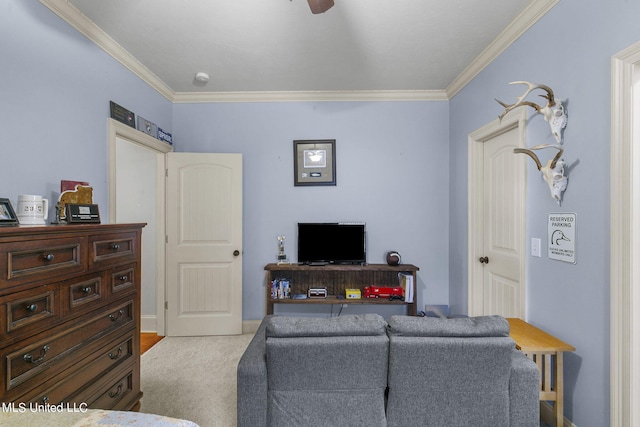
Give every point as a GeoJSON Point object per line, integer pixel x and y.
{"type": "Point", "coordinates": [250, 326]}
{"type": "Point", "coordinates": [546, 414]}
{"type": "Point", "coordinates": [148, 325]}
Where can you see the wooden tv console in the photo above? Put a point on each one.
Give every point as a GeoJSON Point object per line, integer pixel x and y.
{"type": "Point", "coordinates": [337, 278]}
{"type": "Point", "coordinates": [70, 316]}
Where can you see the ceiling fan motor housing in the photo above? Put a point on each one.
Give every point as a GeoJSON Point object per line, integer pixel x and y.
{"type": "Point", "coordinates": [320, 6]}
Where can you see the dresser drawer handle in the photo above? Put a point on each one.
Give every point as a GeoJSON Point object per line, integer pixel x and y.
{"type": "Point", "coordinates": [29, 358]}
{"type": "Point", "coordinates": [48, 257]}
{"type": "Point", "coordinates": [123, 278]}
{"type": "Point", "coordinates": [86, 289]}
{"type": "Point", "coordinates": [32, 307]}
{"type": "Point", "coordinates": [115, 246]}
{"type": "Point", "coordinates": [116, 317]}
{"type": "Point", "coordinates": [117, 355]}
{"type": "Point", "coordinates": [117, 393]}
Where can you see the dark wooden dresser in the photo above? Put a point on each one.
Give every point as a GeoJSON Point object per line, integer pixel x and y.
{"type": "Point", "coordinates": [70, 315]}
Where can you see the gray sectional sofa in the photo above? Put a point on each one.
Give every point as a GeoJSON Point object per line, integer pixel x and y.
{"type": "Point", "coordinates": [364, 371]}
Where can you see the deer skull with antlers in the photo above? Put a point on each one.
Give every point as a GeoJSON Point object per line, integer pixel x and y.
{"type": "Point", "coordinates": [552, 172]}
{"type": "Point", "coordinates": [554, 112]}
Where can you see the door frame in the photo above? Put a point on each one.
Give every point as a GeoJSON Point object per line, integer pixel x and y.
{"type": "Point", "coordinates": [120, 130]}
{"type": "Point", "coordinates": [624, 251]}
{"type": "Point", "coordinates": [514, 119]}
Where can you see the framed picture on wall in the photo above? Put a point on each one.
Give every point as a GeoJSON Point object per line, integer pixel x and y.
{"type": "Point", "coordinates": [314, 162]}
{"type": "Point", "coordinates": [7, 214]}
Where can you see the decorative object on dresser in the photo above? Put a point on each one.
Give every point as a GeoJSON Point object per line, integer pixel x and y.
{"type": "Point", "coordinates": [82, 194]}
{"type": "Point", "coordinates": [70, 315]}
{"type": "Point", "coordinates": [7, 214]}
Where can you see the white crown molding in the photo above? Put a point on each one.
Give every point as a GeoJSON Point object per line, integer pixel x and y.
{"type": "Point", "coordinates": [289, 96]}
{"type": "Point", "coordinates": [525, 20]}
{"type": "Point", "coordinates": [521, 24]}
{"type": "Point", "coordinates": [80, 22]}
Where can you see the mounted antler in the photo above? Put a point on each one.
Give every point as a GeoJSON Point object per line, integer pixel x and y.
{"type": "Point", "coordinates": [553, 112]}
{"type": "Point", "coordinates": [552, 172]}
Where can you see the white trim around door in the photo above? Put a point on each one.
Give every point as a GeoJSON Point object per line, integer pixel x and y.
{"type": "Point", "coordinates": [625, 238]}
{"type": "Point", "coordinates": [119, 131]}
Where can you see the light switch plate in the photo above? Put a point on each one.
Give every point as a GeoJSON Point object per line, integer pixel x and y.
{"type": "Point", "coordinates": [536, 244]}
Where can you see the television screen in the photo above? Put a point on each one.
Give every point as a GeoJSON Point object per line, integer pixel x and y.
{"type": "Point", "coordinates": [335, 243]}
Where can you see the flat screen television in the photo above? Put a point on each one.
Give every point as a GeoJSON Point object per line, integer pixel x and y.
{"type": "Point", "coordinates": [332, 243]}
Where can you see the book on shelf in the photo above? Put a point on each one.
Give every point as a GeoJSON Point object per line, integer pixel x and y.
{"type": "Point", "coordinates": [406, 282]}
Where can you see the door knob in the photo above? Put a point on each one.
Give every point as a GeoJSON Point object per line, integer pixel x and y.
{"type": "Point", "coordinates": [484, 259]}
{"type": "Point", "coordinates": [236, 252]}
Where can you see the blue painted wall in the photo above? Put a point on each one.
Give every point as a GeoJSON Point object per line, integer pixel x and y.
{"type": "Point", "coordinates": [402, 166]}
{"type": "Point", "coordinates": [55, 88]}
{"type": "Point", "coordinates": [391, 161]}
{"type": "Point", "coordinates": [569, 49]}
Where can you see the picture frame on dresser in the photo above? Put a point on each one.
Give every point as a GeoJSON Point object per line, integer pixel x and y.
{"type": "Point", "coordinates": [8, 216]}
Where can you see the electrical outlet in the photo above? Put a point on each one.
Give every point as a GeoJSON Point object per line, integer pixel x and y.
{"type": "Point", "coordinates": [536, 249]}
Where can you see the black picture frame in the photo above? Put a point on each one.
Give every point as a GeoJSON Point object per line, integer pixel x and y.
{"type": "Point", "coordinates": [8, 216]}
{"type": "Point", "coordinates": [82, 213]}
{"type": "Point", "coordinates": [314, 162]}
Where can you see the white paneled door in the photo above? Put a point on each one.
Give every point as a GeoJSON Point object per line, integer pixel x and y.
{"type": "Point", "coordinates": [204, 244]}
{"type": "Point", "coordinates": [503, 290]}
{"type": "Point", "coordinates": [497, 226]}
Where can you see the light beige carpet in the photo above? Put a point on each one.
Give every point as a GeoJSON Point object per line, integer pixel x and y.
{"type": "Point", "coordinates": [193, 378]}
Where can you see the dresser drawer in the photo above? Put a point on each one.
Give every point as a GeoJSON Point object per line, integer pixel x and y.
{"type": "Point", "coordinates": [123, 278]}
{"type": "Point", "coordinates": [116, 353]}
{"type": "Point", "coordinates": [119, 391]}
{"type": "Point", "coordinates": [111, 249]}
{"type": "Point", "coordinates": [36, 308]}
{"type": "Point", "coordinates": [85, 292]}
{"type": "Point", "coordinates": [29, 365]}
{"type": "Point", "coordinates": [26, 313]}
{"type": "Point", "coordinates": [41, 260]}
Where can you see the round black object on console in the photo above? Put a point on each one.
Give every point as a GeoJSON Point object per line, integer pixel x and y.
{"type": "Point", "coordinates": [393, 258]}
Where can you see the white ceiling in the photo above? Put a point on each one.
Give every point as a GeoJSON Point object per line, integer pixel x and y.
{"type": "Point", "coordinates": [253, 46]}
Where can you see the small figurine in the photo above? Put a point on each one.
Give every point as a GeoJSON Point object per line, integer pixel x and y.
{"type": "Point", "coordinates": [282, 258]}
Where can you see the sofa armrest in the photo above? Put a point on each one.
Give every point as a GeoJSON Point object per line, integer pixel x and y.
{"type": "Point", "coordinates": [252, 381]}
{"type": "Point", "coordinates": [524, 391]}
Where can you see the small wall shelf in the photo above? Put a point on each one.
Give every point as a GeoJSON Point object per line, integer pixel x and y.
{"type": "Point", "coordinates": [337, 278]}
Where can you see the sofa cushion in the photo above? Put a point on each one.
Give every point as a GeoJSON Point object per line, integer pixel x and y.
{"type": "Point", "coordinates": [353, 325]}
{"type": "Point", "coordinates": [449, 371]}
{"type": "Point", "coordinates": [481, 326]}
{"type": "Point", "coordinates": [315, 371]}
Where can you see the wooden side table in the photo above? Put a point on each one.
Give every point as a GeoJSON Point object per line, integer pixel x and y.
{"type": "Point", "coordinates": [546, 351]}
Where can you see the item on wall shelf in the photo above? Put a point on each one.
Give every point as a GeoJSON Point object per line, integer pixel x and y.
{"type": "Point", "coordinates": [32, 209]}
{"type": "Point", "coordinates": [83, 195]}
{"type": "Point", "coordinates": [147, 127]}
{"type": "Point", "coordinates": [554, 112]}
{"type": "Point", "coordinates": [122, 115]}
{"type": "Point", "coordinates": [393, 258]}
{"type": "Point", "coordinates": [282, 257]}
{"type": "Point", "coordinates": [8, 216]}
{"type": "Point", "coordinates": [552, 172]}
{"type": "Point", "coordinates": [314, 162]}
{"type": "Point", "coordinates": [165, 136]}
